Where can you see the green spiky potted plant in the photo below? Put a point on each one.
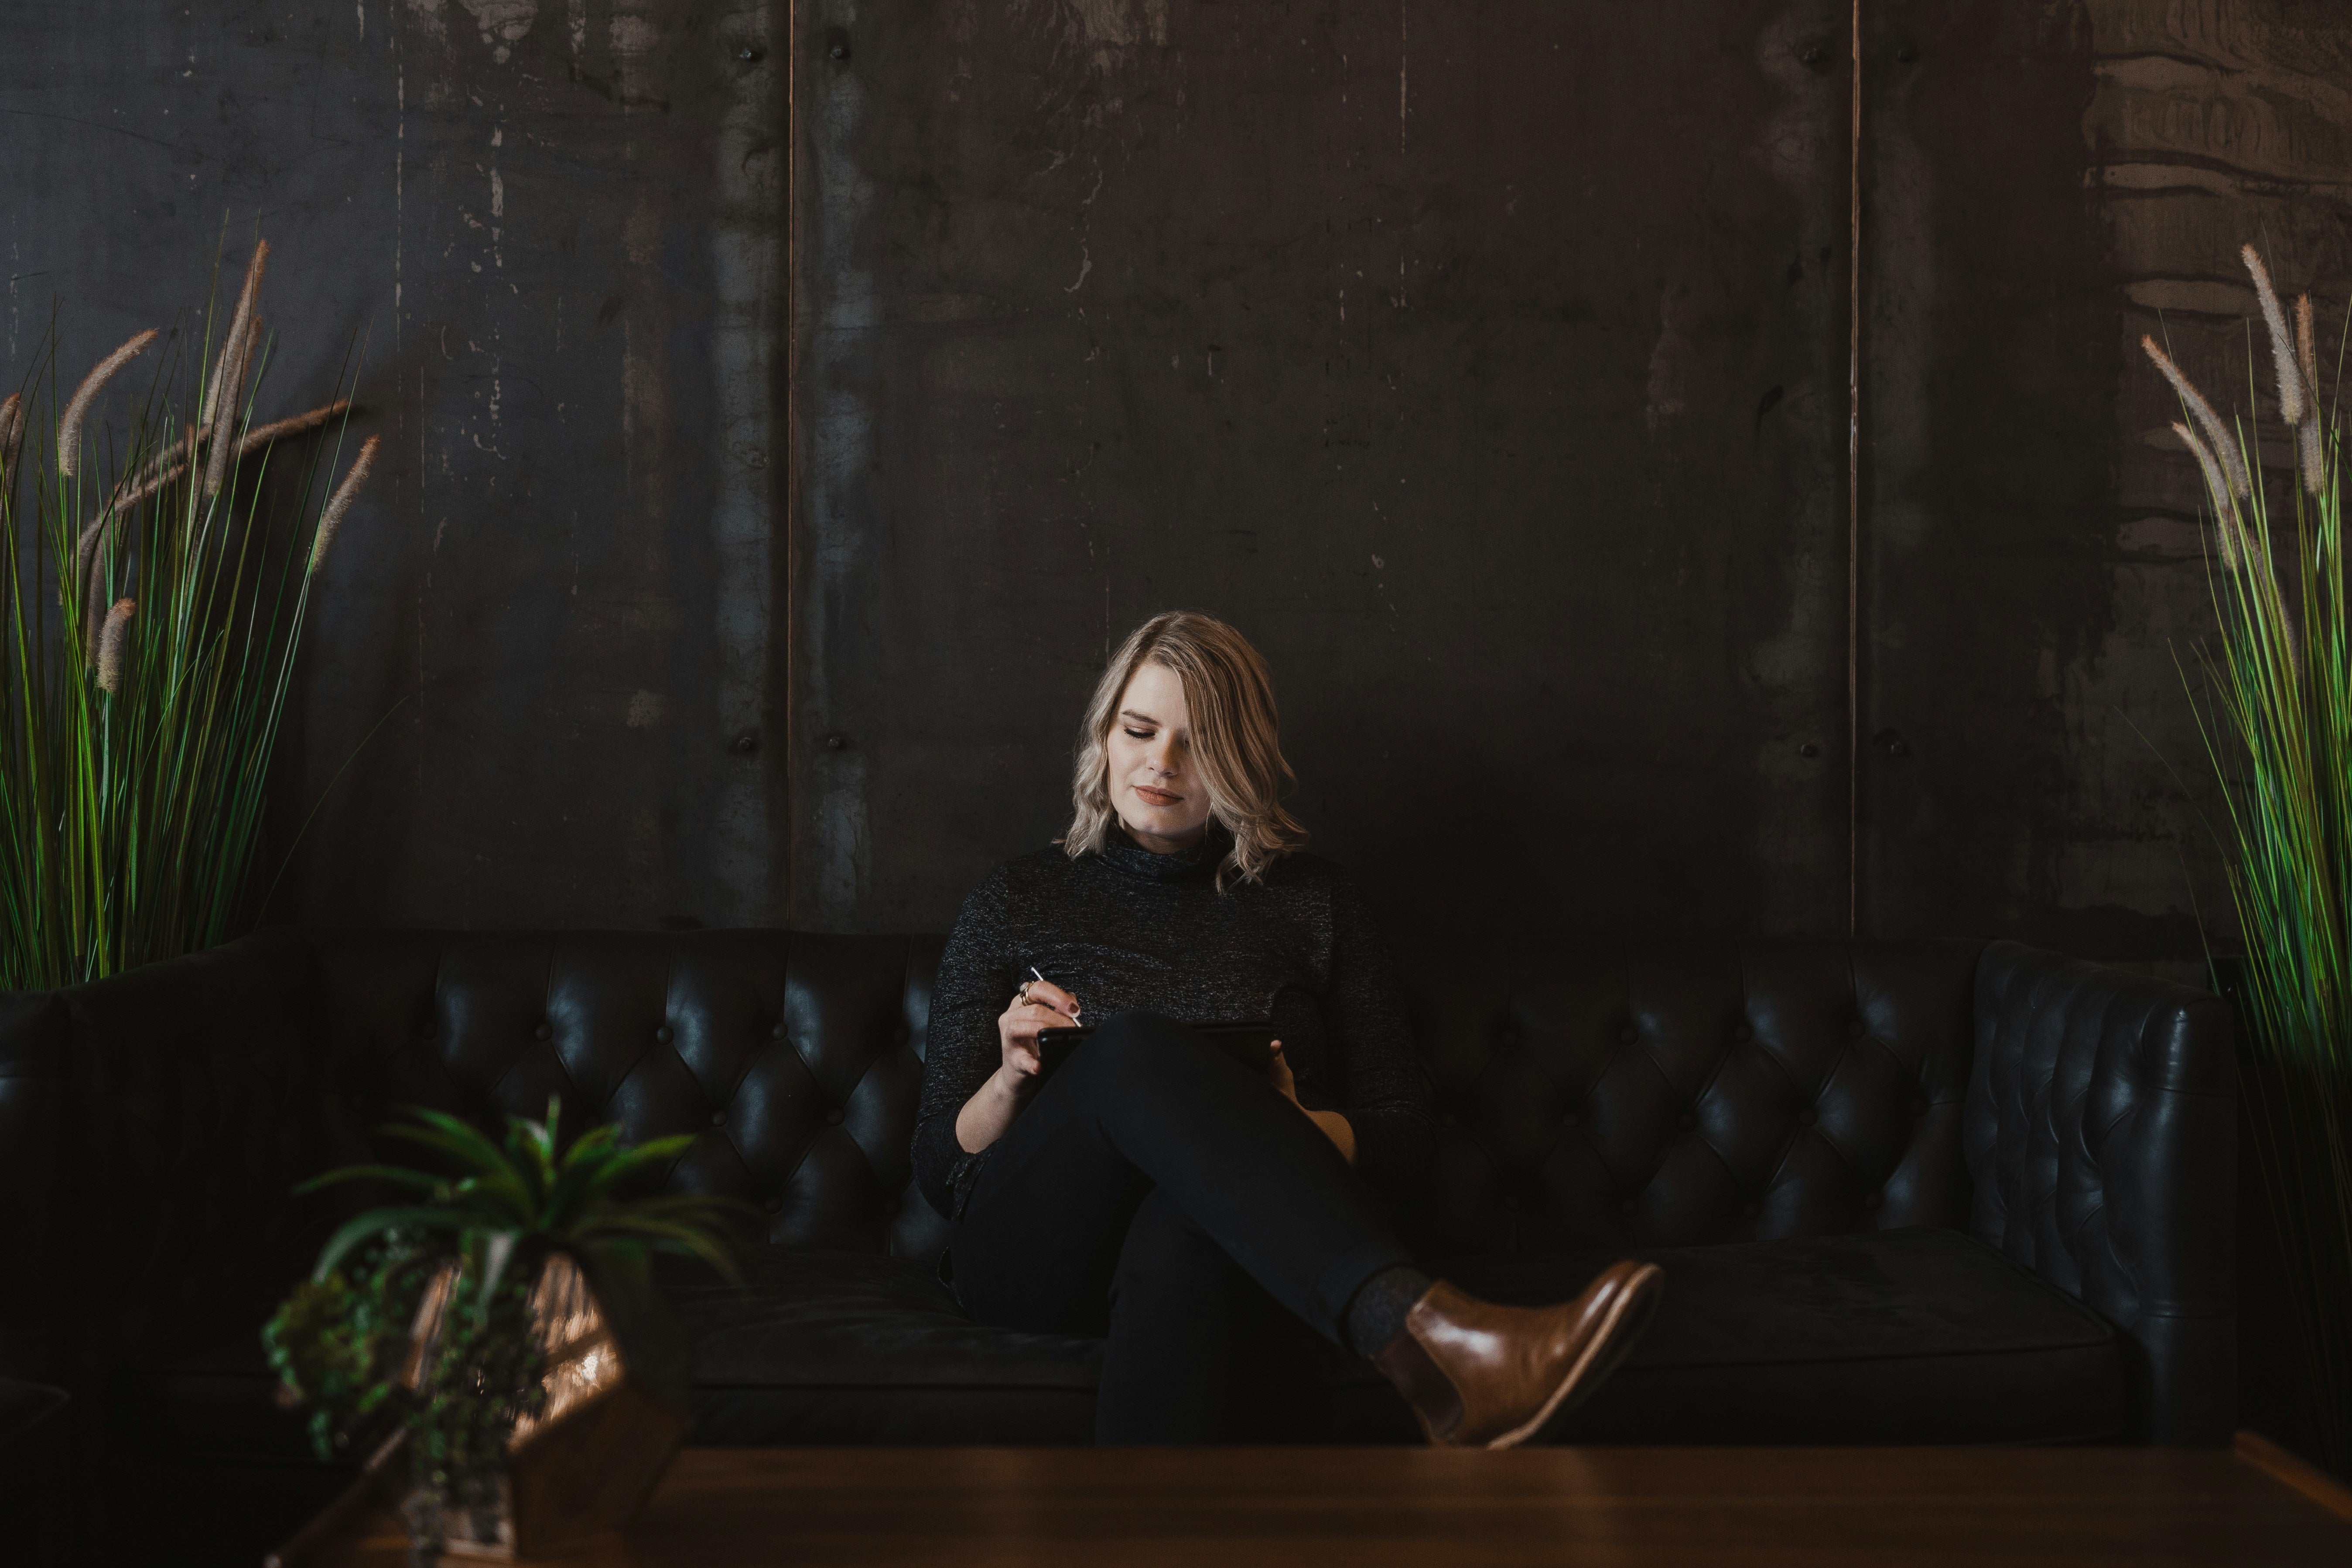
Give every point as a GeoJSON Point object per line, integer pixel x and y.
{"type": "Point", "coordinates": [494, 1341]}
{"type": "Point", "coordinates": [2278, 723]}
{"type": "Point", "coordinates": [154, 580]}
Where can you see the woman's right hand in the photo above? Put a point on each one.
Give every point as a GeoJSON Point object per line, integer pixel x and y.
{"type": "Point", "coordinates": [1042, 1005]}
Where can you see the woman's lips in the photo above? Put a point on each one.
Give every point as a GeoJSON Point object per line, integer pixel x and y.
{"type": "Point", "coordinates": [1157, 796]}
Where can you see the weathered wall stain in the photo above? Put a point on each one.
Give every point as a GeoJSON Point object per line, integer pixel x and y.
{"type": "Point", "coordinates": [2045, 185]}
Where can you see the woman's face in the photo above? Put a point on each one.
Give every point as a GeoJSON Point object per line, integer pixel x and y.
{"type": "Point", "coordinates": [1160, 800]}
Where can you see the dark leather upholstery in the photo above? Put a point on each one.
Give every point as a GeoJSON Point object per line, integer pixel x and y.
{"type": "Point", "coordinates": [1712, 1102]}
{"type": "Point", "coordinates": [793, 1059]}
{"type": "Point", "coordinates": [1900, 1336]}
{"type": "Point", "coordinates": [2102, 1135]}
{"type": "Point", "coordinates": [36, 1520]}
{"type": "Point", "coordinates": [1654, 1095]}
{"type": "Point", "coordinates": [35, 1036]}
{"type": "Point", "coordinates": [197, 1109]}
{"type": "Point", "coordinates": [1914, 1335]}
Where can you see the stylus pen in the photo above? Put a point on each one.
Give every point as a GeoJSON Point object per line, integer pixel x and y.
{"type": "Point", "coordinates": [1043, 981]}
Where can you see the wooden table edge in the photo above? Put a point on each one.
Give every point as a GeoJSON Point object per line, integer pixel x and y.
{"type": "Point", "coordinates": [2296, 1474]}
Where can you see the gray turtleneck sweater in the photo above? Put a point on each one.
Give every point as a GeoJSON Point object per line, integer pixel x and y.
{"type": "Point", "coordinates": [1129, 928]}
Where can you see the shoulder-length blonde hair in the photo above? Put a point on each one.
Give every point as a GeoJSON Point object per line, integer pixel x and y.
{"type": "Point", "coordinates": [1235, 747]}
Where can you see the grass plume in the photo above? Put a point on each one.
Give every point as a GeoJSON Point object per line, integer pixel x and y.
{"type": "Point", "coordinates": [111, 643]}
{"type": "Point", "coordinates": [2216, 483]}
{"type": "Point", "coordinates": [341, 501]}
{"type": "Point", "coordinates": [2216, 435]}
{"type": "Point", "coordinates": [78, 409]}
{"type": "Point", "coordinates": [2291, 399]}
{"type": "Point", "coordinates": [232, 340]}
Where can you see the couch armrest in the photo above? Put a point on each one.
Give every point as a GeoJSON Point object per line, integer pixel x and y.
{"type": "Point", "coordinates": [34, 1036]}
{"type": "Point", "coordinates": [198, 1106]}
{"type": "Point", "coordinates": [2101, 1134]}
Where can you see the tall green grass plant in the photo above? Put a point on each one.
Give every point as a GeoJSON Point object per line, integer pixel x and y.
{"type": "Point", "coordinates": [2275, 711]}
{"type": "Point", "coordinates": [150, 609]}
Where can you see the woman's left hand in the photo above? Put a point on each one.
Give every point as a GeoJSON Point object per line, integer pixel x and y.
{"type": "Point", "coordinates": [1335, 1126]}
{"type": "Point", "coordinates": [1277, 1073]}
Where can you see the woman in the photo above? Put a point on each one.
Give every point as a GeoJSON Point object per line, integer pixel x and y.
{"type": "Point", "coordinates": [1157, 1190]}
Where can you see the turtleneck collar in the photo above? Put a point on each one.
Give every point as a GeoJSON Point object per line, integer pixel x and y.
{"type": "Point", "coordinates": [1201, 860]}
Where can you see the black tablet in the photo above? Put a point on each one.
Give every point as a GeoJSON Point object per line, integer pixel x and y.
{"type": "Point", "coordinates": [1250, 1044]}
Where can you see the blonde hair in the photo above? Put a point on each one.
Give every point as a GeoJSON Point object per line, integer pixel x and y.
{"type": "Point", "coordinates": [1234, 745]}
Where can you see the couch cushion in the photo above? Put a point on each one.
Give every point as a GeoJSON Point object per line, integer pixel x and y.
{"type": "Point", "coordinates": [1902, 1336]}
{"type": "Point", "coordinates": [850, 1347]}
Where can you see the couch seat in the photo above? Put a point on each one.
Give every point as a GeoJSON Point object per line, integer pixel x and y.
{"type": "Point", "coordinates": [1902, 1336]}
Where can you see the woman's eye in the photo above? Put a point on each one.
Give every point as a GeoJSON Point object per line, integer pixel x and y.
{"type": "Point", "coordinates": [1138, 734]}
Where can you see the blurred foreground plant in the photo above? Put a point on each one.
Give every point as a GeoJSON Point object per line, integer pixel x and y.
{"type": "Point", "coordinates": [2277, 725]}
{"type": "Point", "coordinates": [424, 1320]}
{"type": "Point", "coordinates": [149, 616]}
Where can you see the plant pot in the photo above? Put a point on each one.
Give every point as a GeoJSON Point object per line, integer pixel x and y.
{"type": "Point", "coordinates": [614, 1416]}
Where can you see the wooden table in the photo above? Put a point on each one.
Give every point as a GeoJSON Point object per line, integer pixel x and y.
{"type": "Point", "coordinates": [1374, 1508]}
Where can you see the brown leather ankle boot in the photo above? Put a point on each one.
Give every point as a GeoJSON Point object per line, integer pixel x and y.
{"type": "Point", "coordinates": [1480, 1375]}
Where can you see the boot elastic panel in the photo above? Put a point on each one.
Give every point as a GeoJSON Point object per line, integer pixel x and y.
{"type": "Point", "coordinates": [1406, 1363]}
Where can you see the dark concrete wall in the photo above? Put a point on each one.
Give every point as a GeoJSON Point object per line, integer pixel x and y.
{"type": "Point", "coordinates": [559, 230]}
{"type": "Point", "coordinates": [1486, 360]}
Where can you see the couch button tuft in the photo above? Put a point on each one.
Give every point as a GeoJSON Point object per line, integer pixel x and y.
{"type": "Point", "coordinates": [1569, 1118]}
{"type": "Point", "coordinates": [1629, 1034]}
{"type": "Point", "coordinates": [544, 1032]}
{"type": "Point", "coordinates": [663, 1035]}
{"type": "Point", "coordinates": [901, 1035]}
{"type": "Point", "coordinates": [359, 1103]}
{"type": "Point", "coordinates": [833, 1118]}
{"type": "Point", "coordinates": [1854, 1029]}
{"type": "Point", "coordinates": [426, 1032]}
{"type": "Point", "coordinates": [1448, 1120]}
{"type": "Point", "coordinates": [1751, 1210]}
{"type": "Point", "coordinates": [1686, 1121]}
{"type": "Point", "coordinates": [1743, 1034]}
{"type": "Point", "coordinates": [1510, 1203]}
{"type": "Point", "coordinates": [777, 1033]}
{"type": "Point", "coordinates": [775, 1205]}
{"type": "Point", "coordinates": [1628, 1207]}
{"type": "Point", "coordinates": [1919, 1108]}
{"type": "Point", "coordinates": [1509, 1035]}
{"type": "Point", "coordinates": [719, 1119]}
{"type": "Point", "coordinates": [1807, 1117]}
{"type": "Point", "coordinates": [1871, 1202]}
{"type": "Point", "coordinates": [890, 1207]}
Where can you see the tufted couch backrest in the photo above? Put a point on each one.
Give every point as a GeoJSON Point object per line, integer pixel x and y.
{"type": "Point", "coordinates": [793, 1059]}
{"type": "Point", "coordinates": [1643, 1094]}
{"type": "Point", "coordinates": [1608, 1094]}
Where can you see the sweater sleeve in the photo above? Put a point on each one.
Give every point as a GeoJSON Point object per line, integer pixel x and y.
{"type": "Point", "coordinates": [961, 1048]}
{"type": "Point", "coordinates": [1387, 1098]}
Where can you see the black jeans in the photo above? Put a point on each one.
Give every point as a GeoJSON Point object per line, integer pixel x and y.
{"type": "Point", "coordinates": [1158, 1191]}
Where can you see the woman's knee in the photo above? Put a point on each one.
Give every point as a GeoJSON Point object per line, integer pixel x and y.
{"type": "Point", "coordinates": [1166, 1253]}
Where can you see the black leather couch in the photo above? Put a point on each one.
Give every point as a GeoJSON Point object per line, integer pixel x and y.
{"type": "Point", "coordinates": [1931, 1192]}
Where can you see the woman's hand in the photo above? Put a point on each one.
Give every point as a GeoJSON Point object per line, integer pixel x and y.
{"type": "Point", "coordinates": [1040, 1005]}
{"type": "Point", "coordinates": [1335, 1126]}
